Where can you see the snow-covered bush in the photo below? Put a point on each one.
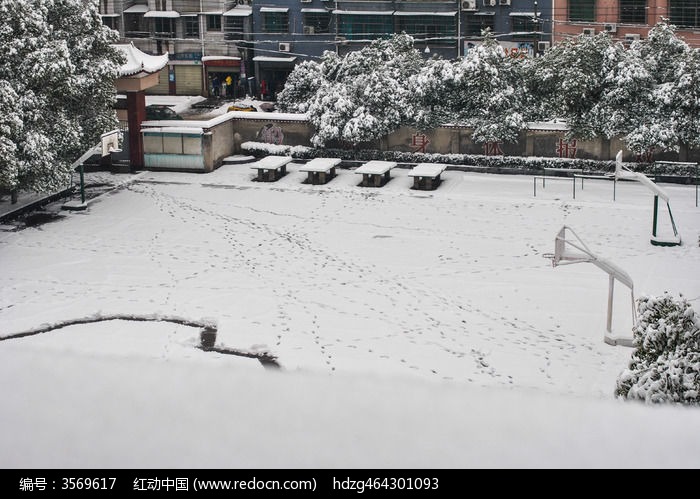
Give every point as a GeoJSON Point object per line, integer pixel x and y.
{"type": "Point", "coordinates": [665, 367]}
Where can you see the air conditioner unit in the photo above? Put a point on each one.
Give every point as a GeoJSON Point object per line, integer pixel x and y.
{"type": "Point", "coordinates": [489, 3]}
{"type": "Point", "coordinates": [543, 46]}
{"type": "Point", "coordinates": [610, 28]}
{"type": "Point", "coordinates": [503, 2]}
{"type": "Point", "coordinates": [632, 37]}
{"type": "Point", "coordinates": [284, 47]}
{"type": "Point", "coordinates": [309, 30]}
{"type": "Point", "coordinates": [468, 4]}
{"type": "Point", "coordinates": [589, 31]}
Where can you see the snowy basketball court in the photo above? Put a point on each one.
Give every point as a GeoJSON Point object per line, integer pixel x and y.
{"type": "Point", "coordinates": [392, 312]}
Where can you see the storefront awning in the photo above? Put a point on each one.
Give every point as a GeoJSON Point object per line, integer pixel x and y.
{"type": "Point", "coordinates": [315, 11]}
{"type": "Point", "coordinates": [442, 14]}
{"type": "Point", "coordinates": [273, 9]}
{"type": "Point", "coordinates": [238, 12]}
{"type": "Point", "coordinates": [136, 9]}
{"type": "Point", "coordinates": [265, 58]}
{"type": "Point", "coordinates": [521, 14]}
{"type": "Point", "coordinates": [171, 14]}
{"type": "Point", "coordinates": [363, 12]}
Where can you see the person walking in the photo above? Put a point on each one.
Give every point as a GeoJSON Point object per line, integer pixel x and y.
{"type": "Point", "coordinates": [216, 86]}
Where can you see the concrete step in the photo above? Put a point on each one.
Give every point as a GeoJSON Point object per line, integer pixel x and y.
{"type": "Point", "coordinates": [238, 159]}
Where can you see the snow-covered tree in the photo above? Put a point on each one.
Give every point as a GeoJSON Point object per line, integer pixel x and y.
{"type": "Point", "coordinates": [363, 95]}
{"type": "Point", "coordinates": [57, 72]}
{"type": "Point", "coordinates": [665, 367]}
{"type": "Point", "coordinates": [572, 75]}
{"type": "Point", "coordinates": [489, 96]}
{"type": "Point", "coordinates": [301, 86]}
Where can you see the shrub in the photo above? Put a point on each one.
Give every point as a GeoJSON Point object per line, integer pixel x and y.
{"type": "Point", "coordinates": [665, 368]}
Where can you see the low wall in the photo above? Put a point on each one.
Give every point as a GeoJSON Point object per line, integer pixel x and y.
{"type": "Point", "coordinates": [202, 145]}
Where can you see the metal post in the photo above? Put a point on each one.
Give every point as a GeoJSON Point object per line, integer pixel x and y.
{"type": "Point", "coordinates": [534, 186]}
{"type": "Point", "coordinates": [611, 289]}
{"type": "Point", "coordinates": [82, 184]}
{"type": "Point", "coordinates": [614, 187]}
{"type": "Point", "coordinates": [656, 215]}
{"type": "Point", "coordinates": [574, 185]}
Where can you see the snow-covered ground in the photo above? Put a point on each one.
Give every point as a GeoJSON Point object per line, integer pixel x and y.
{"type": "Point", "coordinates": [414, 329]}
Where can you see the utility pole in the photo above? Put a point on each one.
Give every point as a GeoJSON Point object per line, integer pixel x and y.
{"type": "Point", "coordinates": [535, 49]}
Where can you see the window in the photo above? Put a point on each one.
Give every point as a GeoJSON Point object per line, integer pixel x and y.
{"type": "Point", "coordinates": [163, 27]}
{"type": "Point", "coordinates": [234, 28]}
{"type": "Point", "coordinates": [633, 11]}
{"type": "Point", "coordinates": [320, 22]}
{"type": "Point", "coordinates": [354, 26]}
{"type": "Point", "coordinates": [439, 30]}
{"type": "Point", "coordinates": [475, 24]}
{"type": "Point", "coordinates": [111, 22]}
{"type": "Point", "coordinates": [523, 24]}
{"type": "Point", "coordinates": [191, 26]}
{"type": "Point", "coordinates": [582, 10]}
{"type": "Point", "coordinates": [685, 13]}
{"type": "Point", "coordinates": [135, 26]}
{"type": "Point", "coordinates": [214, 23]}
{"type": "Point", "coordinates": [275, 22]}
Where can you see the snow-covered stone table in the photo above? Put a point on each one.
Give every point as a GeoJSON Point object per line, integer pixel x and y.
{"type": "Point", "coordinates": [271, 168]}
{"type": "Point", "coordinates": [375, 173]}
{"type": "Point", "coordinates": [320, 170]}
{"type": "Point", "coordinates": [426, 176]}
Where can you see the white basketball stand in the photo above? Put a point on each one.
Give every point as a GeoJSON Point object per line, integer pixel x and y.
{"type": "Point", "coordinates": [622, 172]}
{"type": "Point", "coordinates": [565, 255]}
{"type": "Point", "coordinates": [109, 143]}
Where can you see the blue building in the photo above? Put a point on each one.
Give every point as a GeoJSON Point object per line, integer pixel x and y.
{"type": "Point", "coordinates": [257, 43]}
{"type": "Point", "coordinates": [289, 31]}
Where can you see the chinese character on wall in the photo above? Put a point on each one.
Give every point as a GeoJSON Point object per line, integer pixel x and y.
{"type": "Point", "coordinates": [493, 149]}
{"type": "Point", "coordinates": [566, 149]}
{"type": "Point", "coordinates": [420, 141]}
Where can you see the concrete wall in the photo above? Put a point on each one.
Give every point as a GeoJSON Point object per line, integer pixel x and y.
{"type": "Point", "coordinates": [202, 146]}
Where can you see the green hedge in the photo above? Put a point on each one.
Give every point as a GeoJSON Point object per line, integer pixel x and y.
{"type": "Point", "coordinates": [518, 163]}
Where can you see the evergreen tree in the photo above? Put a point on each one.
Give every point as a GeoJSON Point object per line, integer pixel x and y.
{"type": "Point", "coordinates": [665, 367]}
{"type": "Point", "coordinates": [57, 72]}
{"type": "Point", "coordinates": [363, 95]}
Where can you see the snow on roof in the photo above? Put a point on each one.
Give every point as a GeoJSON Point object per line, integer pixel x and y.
{"type": "Point", "coordinates": [427, 170]}
{"type": "Point", "coordinates": [446, 14]}
{"type": "Point", "coordinates": [238, 12]}
{"type": "Point", "coordinates": [137, 61]}
{"type": "Point", "coordinates": [265, 58]}
{"type": "Point", "coordinates": [323, 11]}
{"type": "Point", "coordinates": [376, 167]}
{"type": "Point", "coordinates": [136, 9]}
{"type": "Point", "coordinates": [220, 58]}
{"type": "Point", "coordinates": [162, 13]}
{"type": "Point", "coordinates": [169, 129]}
{"type": "Point", "coordinates": [363, 12]}
{"type": "Point", "coordinates": [274, 9]}
{"type": "Point", "coordinates": [109, 15]}
{"type": "Point", "coordinates": [253, 115]}
{"type": "Point", "coordinates": [548, 125]}
{"type": "Point", "coordinates": [271, 162]}
{"type": "Point", "coordinates": [320, 165]}
{"type": "Point", "coordinates": [522, 14]}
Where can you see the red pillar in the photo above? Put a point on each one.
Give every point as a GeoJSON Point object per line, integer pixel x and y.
{"type": "Point", "coordinates": [136, 113]}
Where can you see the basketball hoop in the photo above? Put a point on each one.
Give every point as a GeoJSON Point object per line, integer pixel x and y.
{"type": "Point", "coordinates": [110, 142]}
{"type": "Point", "coordinates": [564, 255]}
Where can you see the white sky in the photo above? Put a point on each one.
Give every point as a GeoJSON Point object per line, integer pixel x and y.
{"type": "Point", "coordinates": [414, 329]}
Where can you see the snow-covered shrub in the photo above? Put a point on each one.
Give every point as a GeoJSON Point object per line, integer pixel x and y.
{"type": "Point", "coordinates": [665, 367]}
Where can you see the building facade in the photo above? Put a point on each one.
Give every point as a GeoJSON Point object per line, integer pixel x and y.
{"type": "Point", "coordinates": [626, 20]}
{"type": "Point", "coordinates": [255, 44]}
